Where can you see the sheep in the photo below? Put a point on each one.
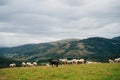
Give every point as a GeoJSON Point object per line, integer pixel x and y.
{"type": "Point", "coordinates": [54, 62]}
{"type": "Point", "coordinates": [90, 62]}
{"type": "Point", "coordinates": [29, 64]}
{"type": "Point", "coordinates": [111, 61]}
{"type": "Point", "coordinates": [117, 60]}
{"type": "Point", "coordinates": [63, 61]}
{"type": "Point", "coordinates": [47, 65]}
{"type": "Point", "coordinates": [81, 61]}
{"type": "Point", "coordinates": [35, 63]}
{"type": "Point", "coordinates": [69, 62]}
{"type": "Point", "coordinates": [12, 65]}
{"type": "Point", "coordinates": [74, 61]}
{"type": "Point", "coordinates": [23, 64]}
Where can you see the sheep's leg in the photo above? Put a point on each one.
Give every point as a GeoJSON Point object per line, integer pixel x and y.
{"type": "Point", "coordinates": [57, 65]}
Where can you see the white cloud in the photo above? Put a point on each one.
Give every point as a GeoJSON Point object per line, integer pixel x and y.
{"type": "Point", "coordinates": [14, 39]}
{"type": "Point", "coordinates": [47, 20]}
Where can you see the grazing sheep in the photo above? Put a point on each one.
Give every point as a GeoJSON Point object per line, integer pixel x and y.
{"type": "Point", "coordinates": [74, 61]}
{"type": "Point", "coordinates": [29, 64]}
{"type": "Point", "coordinates": [117, 60]}
{"type": "Point", "coordinates": [90, 62]}
{"type": "Point", "coordinates": [63, 61]}
{"type": "Point", "coordinates": [81, 61]}
{"type": "Point", "coordinates": [12, 65]}
{"type": "Point", "coordinates": [23, 64]}
{"type": "Point", "coordinates": [35, 63]}
{"type": "Point", "coordinates": [47, 65]}
{"type": "Point", "coordinates": [69, 62]}
{"type": "Point", "coordinates": [54, 62]}
{"type": "Point", "coordinates": [111, 61]}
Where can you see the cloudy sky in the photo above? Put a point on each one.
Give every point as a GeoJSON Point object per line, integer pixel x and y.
{"type": "Point", "coordinates": [38, 21]}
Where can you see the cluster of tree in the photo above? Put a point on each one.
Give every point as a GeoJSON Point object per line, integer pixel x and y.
{"type": "Point", "coordinates": [4, 62]}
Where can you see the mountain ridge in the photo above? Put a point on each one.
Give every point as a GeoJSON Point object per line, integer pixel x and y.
{"type": "Point", "coordinates": [116, 38]}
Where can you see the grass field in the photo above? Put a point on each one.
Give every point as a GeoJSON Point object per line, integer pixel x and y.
{"type": "Point", "coordinates": [102, 71]}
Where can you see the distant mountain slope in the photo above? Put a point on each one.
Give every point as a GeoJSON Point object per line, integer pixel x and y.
{"type": "Point", "coordinates": [117, 38]}
{"type": "Point", "coordinates": [102, 45]}
{"type": "Point", "coordinates": [98, 49]}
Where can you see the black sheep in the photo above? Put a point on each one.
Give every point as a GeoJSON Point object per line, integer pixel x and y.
{"type": "Point", "coordinates": [53, 62]}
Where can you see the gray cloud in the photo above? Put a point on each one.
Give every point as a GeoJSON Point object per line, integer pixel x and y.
{"type": "Point", "coordinates": [3, 2]}
{"type": "Point", "coordinates": [32, 21]}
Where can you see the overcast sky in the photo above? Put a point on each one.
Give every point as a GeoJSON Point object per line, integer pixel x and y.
{"type": "Point", "coordinates": [38, 21]}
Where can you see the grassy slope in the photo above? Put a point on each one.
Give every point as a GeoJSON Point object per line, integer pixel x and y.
{"type": "Point", "coordinates": [69, 72]}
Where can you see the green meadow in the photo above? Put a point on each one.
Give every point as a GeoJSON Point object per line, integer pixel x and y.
{"type": "Point", "coordinates": [103, 71]}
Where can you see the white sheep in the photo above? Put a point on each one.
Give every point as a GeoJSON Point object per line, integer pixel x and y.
{"type": "Point", "coordinates": [69, 62]}
{"type": "Point", "coordinates": [63, 61]}
{"type": "Point", "coordinates": [81, 61]}
{"type": "Point", "coordinates": [12, 65]}
{"type": "Point", "coordinates": [74, 61]}
{"type": "Point", "coordinates": [35, 63]}
{"type": "Point", "coordinates": [90, 62]}
{"type": "Point", "coordinates": [23, 64]}
{"type": "Point", "coordinates": [111, 61]}
{"type": "Point", "coordinates": [47, 65]}
{"type": "Point", "coordinates": [29, 64]}
{"type": "Point", "coordinates": [117, 60]}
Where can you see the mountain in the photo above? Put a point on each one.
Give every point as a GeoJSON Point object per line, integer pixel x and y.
{"type": "Point", "coordinates": [96, 48]}
{"type": "Point", "coordinates": [116, 38]}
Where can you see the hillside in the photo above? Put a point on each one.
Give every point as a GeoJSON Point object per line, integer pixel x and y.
{"type": "Point", "coordinates": [117, 38]}
{"type": "Point", "coordinates": [97, 49]}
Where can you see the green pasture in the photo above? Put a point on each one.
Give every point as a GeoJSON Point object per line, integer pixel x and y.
{"type": "Point", "coordinates": [103, 71]}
